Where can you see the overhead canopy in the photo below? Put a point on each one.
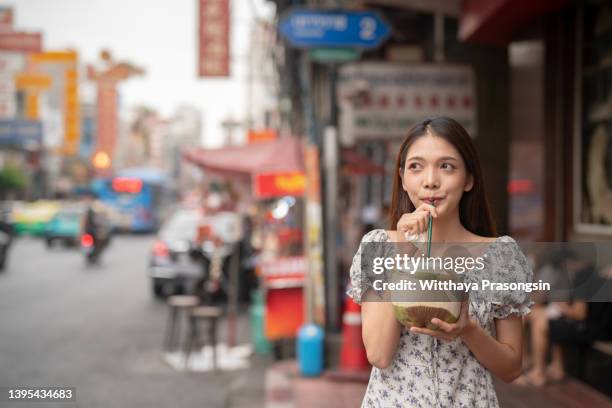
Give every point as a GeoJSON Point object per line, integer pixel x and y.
{"type": "Point", "coordinates": [495, 21]}
{"type": "Point", "coordinates": [282, 155]}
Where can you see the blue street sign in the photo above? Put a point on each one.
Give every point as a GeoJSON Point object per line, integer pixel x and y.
{"type": "Point", "coordinates": [24, 134]}
{"type": "Point", "coordinates": [307, 28]}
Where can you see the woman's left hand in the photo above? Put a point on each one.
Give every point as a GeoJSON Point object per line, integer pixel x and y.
{"type": "Point", "coordinates": [449, 331]}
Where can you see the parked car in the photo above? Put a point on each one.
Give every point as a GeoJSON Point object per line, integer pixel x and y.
{"type": "Point", "coordinates": [173, 265]}
{"type": "Point", "coordinates": [65, 226]}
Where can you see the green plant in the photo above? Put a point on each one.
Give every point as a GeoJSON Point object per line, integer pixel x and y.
{"type": "Point", "coordinates": [12, 178]}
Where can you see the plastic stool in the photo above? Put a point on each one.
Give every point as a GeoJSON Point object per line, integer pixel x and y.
{"type": "Point", "coordinates": [177, 303]}
{"type": "Point", "coordinates": [210, 315]}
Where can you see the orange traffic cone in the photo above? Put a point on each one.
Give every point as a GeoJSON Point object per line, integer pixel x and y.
{"type": "Point", "coordinates": [353, 356]}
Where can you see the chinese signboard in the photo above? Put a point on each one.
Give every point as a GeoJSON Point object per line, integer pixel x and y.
{"type": "Point", "coordinates": [380, 100]}
{"type": "Point", "coordinates": [62, 97]}
{"type": "Point", "coordinates": [214, 55]}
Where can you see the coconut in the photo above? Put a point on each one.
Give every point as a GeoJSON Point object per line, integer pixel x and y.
{"type": "Point", "coordinates": [419, 314]}
{"type": "Point", "coordinates": [418, 307]}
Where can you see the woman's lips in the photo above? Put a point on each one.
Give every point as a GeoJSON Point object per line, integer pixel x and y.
{"type": "Point", "coordinates": [433, 201]}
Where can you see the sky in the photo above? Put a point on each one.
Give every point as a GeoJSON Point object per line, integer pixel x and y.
{"type": "Point", "coordinates": [157, 35]}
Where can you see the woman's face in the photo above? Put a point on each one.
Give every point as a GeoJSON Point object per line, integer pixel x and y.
{"type": "Point", "coordinates": [435, 173]}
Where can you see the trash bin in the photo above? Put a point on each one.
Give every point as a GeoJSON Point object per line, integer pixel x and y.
{"type": "Point", "coordinates": [310, 350]}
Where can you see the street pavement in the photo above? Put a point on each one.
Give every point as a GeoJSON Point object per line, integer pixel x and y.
{"type": "Point", "coordinates": [98, 329]}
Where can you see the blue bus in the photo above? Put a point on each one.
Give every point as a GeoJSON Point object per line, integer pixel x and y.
{"type": "Point", "coordinates": [139, 198]}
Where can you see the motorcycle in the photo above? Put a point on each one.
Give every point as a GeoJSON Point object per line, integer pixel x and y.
{"type": "Point", "coordinates": [90, 248]}
{"type": "Point", "coordinates": [93, 245]}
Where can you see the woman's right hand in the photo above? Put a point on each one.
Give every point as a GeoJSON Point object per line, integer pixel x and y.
{"type": "Point", "coordinates": [415, 223]}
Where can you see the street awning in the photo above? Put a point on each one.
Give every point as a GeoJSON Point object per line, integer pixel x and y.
{"type": "Point", "coordinates": [495, 21]}
{"type": "Point", "coordinates": [280, 156]}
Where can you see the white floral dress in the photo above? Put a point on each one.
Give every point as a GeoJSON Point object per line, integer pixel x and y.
{"type": "Point", "coordinates": [427, 372]}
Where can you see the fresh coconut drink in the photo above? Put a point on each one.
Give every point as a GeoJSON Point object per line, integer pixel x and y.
{"type": "Point", "coordinates": [417, 307]}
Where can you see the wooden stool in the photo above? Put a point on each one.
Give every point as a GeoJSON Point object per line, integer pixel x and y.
{"type": "Point", "coordinates": [177, 303]}
{"type": "Point", "coordinates": [210, 315]}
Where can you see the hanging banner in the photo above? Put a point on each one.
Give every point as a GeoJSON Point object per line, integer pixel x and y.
{"type": "Point", "coordinates": [381, 100]}
{"type": "Point", "coordinates": [213, 36]}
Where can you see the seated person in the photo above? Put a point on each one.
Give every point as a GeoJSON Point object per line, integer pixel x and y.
{"type": "Point", "coordinates": [573, 322]}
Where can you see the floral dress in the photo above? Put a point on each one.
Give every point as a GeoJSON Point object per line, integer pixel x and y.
{"type": "Point", "coordinates": [427, 372]}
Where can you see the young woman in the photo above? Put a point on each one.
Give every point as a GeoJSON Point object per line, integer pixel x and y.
{"type": "Point", "coordinates": [438, 172]}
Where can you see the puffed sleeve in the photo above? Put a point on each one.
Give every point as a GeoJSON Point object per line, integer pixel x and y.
{"type": "Point", "coordinates": [510, 265]}
{"type": "Point", "coordinates": [358, 281]}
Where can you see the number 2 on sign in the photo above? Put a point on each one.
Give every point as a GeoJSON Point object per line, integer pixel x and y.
{"type": "Point", "coordinates": [368, 27]}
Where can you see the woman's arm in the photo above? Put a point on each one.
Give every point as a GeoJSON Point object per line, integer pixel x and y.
{"type": "Point", "coordinates": [380, 331]}
{"type": "Point", "coordinates": [576, 310]}
{"type": "Point", "coordinates": [502, 355]}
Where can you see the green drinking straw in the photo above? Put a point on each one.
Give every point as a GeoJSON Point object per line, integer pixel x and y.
{"type": "Point", "coordinates": [429, 228]}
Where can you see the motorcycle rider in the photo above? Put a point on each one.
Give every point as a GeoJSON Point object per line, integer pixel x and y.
{"type": "Point", "coordinates": [94, 223]}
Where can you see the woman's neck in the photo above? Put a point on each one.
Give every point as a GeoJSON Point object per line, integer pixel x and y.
{"type": "Point", "coordinates": [448, 229]}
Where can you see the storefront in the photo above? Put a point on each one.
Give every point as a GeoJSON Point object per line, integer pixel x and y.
{"type": "Point", "coordinates": [559, 112]}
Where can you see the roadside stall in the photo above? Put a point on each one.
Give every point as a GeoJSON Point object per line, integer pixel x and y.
{"type": "Point", "coordinates": [274, 170]}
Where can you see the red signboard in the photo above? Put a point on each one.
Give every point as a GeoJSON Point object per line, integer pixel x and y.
{"type": "Point", "coordinates": [279, 184]}
{"type": "Point", "coordinates": [214, 55]}
{"type": "Point", "coordinates": [20, 42]}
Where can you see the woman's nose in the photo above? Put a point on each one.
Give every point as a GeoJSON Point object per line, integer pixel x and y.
{"type": "Point", "coordinates": [431, 179]}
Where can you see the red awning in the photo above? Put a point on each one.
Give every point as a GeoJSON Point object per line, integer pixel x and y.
{"type": "Point", "coordinates": [495, 21]}
{"type": "Point", "coordinates": [282, 155]}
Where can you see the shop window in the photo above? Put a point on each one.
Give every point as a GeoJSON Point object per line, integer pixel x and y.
{"type": "Point", "coordinates": [593, 138]}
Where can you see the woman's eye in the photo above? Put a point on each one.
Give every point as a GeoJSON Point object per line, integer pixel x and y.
{"type": "Point", "coordinates": [447, 166]}
{"type": "Point", "coordinates": [414, 166]}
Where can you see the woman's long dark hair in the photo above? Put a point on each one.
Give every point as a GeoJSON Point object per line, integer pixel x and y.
{"type": "Point", "coordinates": [474, 212]}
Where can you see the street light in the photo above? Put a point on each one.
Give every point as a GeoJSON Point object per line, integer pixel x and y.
{"type": "Point", "coordinates": [101, 160]}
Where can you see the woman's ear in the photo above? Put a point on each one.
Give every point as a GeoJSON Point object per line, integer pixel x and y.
{"type": "Point", "coordinates": [469, 183]}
